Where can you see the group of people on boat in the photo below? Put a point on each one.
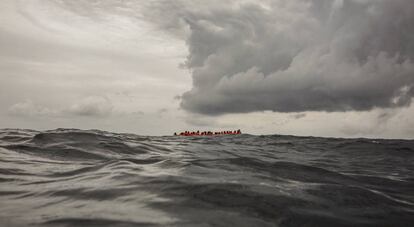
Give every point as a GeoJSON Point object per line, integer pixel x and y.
{"type": "Point", "coordinates": [207, 133]}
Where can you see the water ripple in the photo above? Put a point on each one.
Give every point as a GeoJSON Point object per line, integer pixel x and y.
{"type": "Point", "coordinates": [70, 177]}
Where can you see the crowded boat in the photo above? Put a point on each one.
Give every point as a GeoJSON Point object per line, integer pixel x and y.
{"type": "Point", "coordinates": [208, 133]}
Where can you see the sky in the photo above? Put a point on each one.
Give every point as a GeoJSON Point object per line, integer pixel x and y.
{"type": "Point", "coordinates": [336, 68]}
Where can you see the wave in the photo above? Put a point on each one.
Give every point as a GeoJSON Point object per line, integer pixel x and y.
{"type": "Point", "coordinates": [71, 177]}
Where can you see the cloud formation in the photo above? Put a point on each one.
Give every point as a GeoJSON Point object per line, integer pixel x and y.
{"type": "Point", "coordinates": [294, 56]}
{"type": "Point", "coordinates": [28, 108]}
{"type": "Point", "coordinates": [92, 106]}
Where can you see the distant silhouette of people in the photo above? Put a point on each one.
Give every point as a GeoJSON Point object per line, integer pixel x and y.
{"type": "Point", "coordinates": [207, 133]}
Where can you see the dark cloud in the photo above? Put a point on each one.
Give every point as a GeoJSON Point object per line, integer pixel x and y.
{"type": "Point", "coordinates": [293, 56]}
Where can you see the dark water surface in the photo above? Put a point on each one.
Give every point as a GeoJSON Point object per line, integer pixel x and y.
{"type": "Point", "coordinates": [94, 178]}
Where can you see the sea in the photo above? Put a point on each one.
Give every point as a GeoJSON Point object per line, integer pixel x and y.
{"type": "Point", "coordinates": [71, 177]}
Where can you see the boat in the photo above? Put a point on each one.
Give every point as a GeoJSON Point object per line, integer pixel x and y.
{"type": "Point", "coordinates": [208, 133]}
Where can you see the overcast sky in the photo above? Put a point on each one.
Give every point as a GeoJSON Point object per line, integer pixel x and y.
{"type": "Point", "coordinates": [339, 68]}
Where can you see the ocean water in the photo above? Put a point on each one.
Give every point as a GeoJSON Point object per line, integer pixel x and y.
{"type": "Point", "coordinates": [69, 177]}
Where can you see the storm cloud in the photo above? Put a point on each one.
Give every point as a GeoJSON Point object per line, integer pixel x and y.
{"type": "Point", "coordinates": [294, 56]}
{"type": "Point", "coordinates": [300, 67]}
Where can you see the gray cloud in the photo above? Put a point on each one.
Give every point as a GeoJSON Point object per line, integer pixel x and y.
{"type": "Point", "coordinates": [242, 56]}
{"type": "Point", "coordinates": [293, 56]}
{"type": "Point", "coordinates": [162, 111]}
{"type": "Point", "coordinates": [92, 106]}
{"type": "Point", "coordinates": [29, 108]}
{"type": "Point", "coordinates": [199, 121]}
